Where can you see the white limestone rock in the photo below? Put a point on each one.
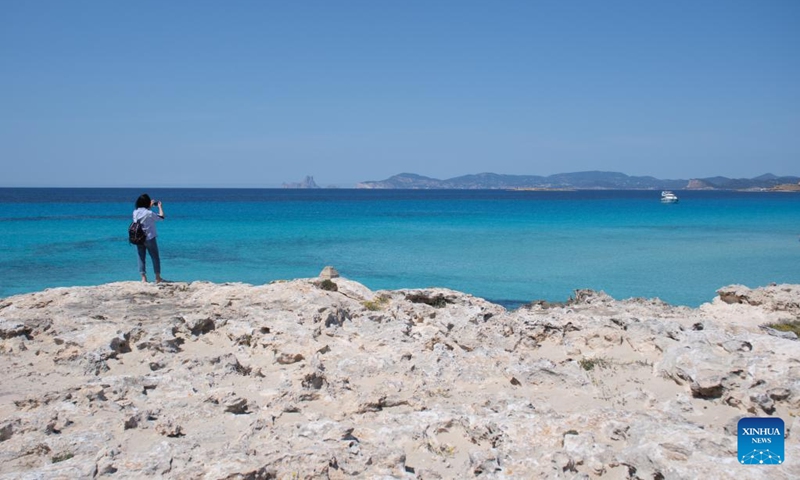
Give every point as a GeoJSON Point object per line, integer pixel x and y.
{"type": "Point", "coordinates": [199, 380]}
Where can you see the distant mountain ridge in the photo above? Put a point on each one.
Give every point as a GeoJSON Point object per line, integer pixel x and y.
{"type": "Point", "coordinates": [591, 180]}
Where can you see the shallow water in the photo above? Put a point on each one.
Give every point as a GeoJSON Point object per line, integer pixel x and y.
{"type": "Point", "coordinates": [510, 247]}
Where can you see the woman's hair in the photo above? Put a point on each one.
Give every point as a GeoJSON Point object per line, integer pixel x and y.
{"type": "Point", "coordinates": [143, 201]}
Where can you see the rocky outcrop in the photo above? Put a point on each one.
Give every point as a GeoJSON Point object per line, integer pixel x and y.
{"type": "Point", "coordinates": [290, 380]}
{"type": "Point", "coordinates": [786, 187]}
{"type": "Point", "coordinates": [696, 184]}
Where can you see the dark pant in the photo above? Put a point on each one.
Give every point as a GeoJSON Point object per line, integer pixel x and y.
{"type": "Point", "coordinates": [151, 246]}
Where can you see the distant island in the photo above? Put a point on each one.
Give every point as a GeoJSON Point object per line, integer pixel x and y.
{"type": "Point", "coordinates": [593, 180]}
{"type": "Point", "coordinates": [307, 182]}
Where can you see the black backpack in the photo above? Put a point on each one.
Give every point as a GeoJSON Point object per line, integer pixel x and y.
{"type": "Point", "coordinates": [136, 233]}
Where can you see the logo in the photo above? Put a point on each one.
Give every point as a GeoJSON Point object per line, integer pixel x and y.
{"type": "Point", "coordinates": [760, 441]}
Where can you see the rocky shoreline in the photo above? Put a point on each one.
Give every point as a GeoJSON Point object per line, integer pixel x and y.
{"type": "Point", "coordinates": [290, 380]}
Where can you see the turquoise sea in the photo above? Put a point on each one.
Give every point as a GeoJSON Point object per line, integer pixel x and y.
{"type": "Point", "coordinates": [511, 247]}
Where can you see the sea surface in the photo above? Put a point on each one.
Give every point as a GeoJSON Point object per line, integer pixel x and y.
{"type": "Point", "coordinates": [511, 247]}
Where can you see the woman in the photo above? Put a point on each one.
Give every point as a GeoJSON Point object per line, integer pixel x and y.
{"type": "Point", "coordinates": [148, 219]}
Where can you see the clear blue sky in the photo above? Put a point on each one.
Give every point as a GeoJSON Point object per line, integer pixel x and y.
{"type": "Point", "coordinates": [255, 93]}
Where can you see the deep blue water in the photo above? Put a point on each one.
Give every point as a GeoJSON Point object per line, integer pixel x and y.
{"type": "Point", "coordinates": [506, 246]}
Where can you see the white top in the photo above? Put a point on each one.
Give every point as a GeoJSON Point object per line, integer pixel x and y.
{"type": "Point", "coordinates": [148, 220]}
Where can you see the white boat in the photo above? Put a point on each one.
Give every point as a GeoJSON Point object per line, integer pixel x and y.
{"type": "Point", "coordinates": [668, 197]}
